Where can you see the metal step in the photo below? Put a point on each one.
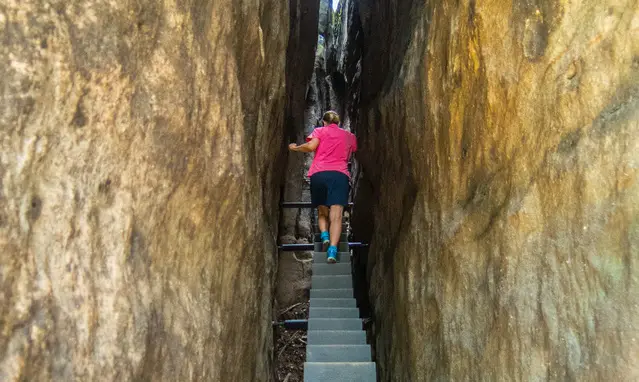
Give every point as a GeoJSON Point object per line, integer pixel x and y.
{"type": "Point", "coordinates": [331, 282]}
{"type": "Point", "coordinates": [331, 269]}
{"type": "Point", "coordinates": [334, 324]}
{"type": "Point", "coordinates": [332, 293]}
{"type": "Point", "coordinates": [342, 257]}
{"type": "Point", "coordinates": [333, 313]}
{"type": "Point", "coordinates": [336, 337]}
{"type": "Point", "coordinates": [338, 353]}
{"type": "Point", "coordinates": [333, 303]}
{"type": "Point", "coordinates": [339, 371]}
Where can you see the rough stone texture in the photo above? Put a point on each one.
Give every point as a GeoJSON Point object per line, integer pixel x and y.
{"type": "Point", "coordinates": [293, 279]}
{"type": "Point", "coordinates": [140, 160]}
{"type": "Point", "coordinates": [293, 275]}
{"type": "Point", "coordinates": [343, 61]}
{"type": "Point", "coordinates": [304, 16]}
{"type": "Point", "coordinates": [325, 15]}
{"type": "Point", "coordinates": [500, 143]}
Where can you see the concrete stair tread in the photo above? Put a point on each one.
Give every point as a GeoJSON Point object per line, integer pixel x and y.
{"type": "Point", "coordinates": [333, 277]}
{"type": "Point", "coordinates": [332, 293]}
{"type": "Point", "coordinates": [338, 353]}
{"type": "Point", "coordinates": [336, 337]}
{"type": "Point", "coordinates": [335, 324]}
{"type": "Point", "coordinates": [339, 372]}
{"type": "Point", "coordinates": [331, 269]}
{"type": "Point", "coordinates": [332, 302]}
{"type": "Point", "coordinates": [333, 313]}
{"type": "Point", "coordinates": [342, 257]}
{"type": "Point", "coordinates": [331, 281]}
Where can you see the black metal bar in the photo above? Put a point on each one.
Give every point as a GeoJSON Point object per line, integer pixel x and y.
{"type": "Point", "coordinates": [296, 247]}
{"type": "Point", "coordinates": [310, 247]}
{"type": "Point", "coordinates": [293, 324]}
{"type": "Point", "coordinates": [303, 205]}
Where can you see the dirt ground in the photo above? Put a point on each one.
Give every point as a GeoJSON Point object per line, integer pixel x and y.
{"type": "Point", "coordinates": [290, 346]}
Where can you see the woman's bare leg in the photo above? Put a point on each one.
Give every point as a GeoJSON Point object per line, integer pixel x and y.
{"type": "Point", "coordinates": [336, 223]}
{"type": "Point", "coordinates": [322, 217]}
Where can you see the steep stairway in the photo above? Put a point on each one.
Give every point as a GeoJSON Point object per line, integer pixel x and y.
{"type": "Point", "coordinates": [337, 350]}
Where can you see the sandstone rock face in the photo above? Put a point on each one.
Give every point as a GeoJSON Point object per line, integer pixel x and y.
{"type": "Point", "coordinates": [304, 16]}
{"type": "Point", "coordinates": [141, 153]}
{"type": "Point", "coordinates": [293, 278]}
{"type": "Point", "coordinates": [500, 143]}
{"type": "Point", "coordinates": [325, 15]}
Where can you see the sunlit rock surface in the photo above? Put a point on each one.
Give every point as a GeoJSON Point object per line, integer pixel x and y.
{"type": "Point", "coordinates": [140, 159]}
{"type": "Point", "coordinates": [500, 143]}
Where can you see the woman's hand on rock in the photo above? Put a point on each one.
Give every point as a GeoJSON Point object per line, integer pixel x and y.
{"type": "Point", "coordinates": [292, 146]}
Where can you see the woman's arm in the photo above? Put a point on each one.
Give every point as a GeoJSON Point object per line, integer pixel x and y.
{"type": "Point", "coordinates": [307, 147]}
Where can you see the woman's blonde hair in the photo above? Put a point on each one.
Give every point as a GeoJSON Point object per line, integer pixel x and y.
{"type": "Point", "coordinates": [331, 117]}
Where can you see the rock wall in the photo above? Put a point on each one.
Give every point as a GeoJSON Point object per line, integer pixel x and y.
{"type": "Point", "coordinates": [295, 226]}
{"type": "Point", "coordinates": [500, 147]}
{"type": "Point", "coordinates": [140, 162]}
{"type": "Point", "coordinates": [301, 51]}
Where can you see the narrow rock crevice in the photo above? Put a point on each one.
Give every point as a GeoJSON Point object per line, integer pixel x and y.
{"type": "Point", "coordinates": [143, 158]}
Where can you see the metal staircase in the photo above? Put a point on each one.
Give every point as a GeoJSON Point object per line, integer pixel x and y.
{"type": "Point", "coordinates": [337, 350]}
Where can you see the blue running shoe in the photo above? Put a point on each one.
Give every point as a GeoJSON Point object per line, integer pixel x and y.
{"type": "Point", "coordinates": [326, 241]}
{"type": "Point", "coordinates": [331, 255]}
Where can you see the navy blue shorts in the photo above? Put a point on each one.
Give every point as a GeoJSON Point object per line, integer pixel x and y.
{"type": "Point", "coordinates": [329, 188]}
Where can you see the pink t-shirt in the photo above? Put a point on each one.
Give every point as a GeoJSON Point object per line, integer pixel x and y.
{"type": "Point", "coordinates": [334, 150]}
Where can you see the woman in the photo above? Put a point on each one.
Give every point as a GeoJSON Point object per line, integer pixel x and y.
{"type": "Point", "coordinates": [329, 175]}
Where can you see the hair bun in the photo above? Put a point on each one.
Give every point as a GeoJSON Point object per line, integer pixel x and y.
{"type": "Point", "coordinates": [331, 117]}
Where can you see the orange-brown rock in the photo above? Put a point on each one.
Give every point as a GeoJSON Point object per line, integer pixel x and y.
{"type": "Point", "coordinates": [140, 158]}
{"type": "Point", "coordinates": [500, 147]}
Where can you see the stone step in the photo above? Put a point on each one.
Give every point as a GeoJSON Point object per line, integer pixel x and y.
{"type": "Point", "coordinates": [341, 247]}
{"type": "Point", "coordinates": [336, 337]}
{"type": "Point", "coordinates": [331, 269]}
{"type": "Point", "coordinates": [331, 282]}
{"type": "Point", "coordinates": [343, 237]}
{"type": "Point", "coordinates": [333, 313]}
{"type": "Point", "coordinates": [332, 293]}
{"type": "Point", "coordinates": [339, 371]}
{"type": "Point", "coordinates": [333, 303]}
{"type": "Point", "coordinates": [338, 353]}
{"type": "Point", "coordinates": [342, 257]}
{"type": "Point", "coordinates": [334, 324]}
